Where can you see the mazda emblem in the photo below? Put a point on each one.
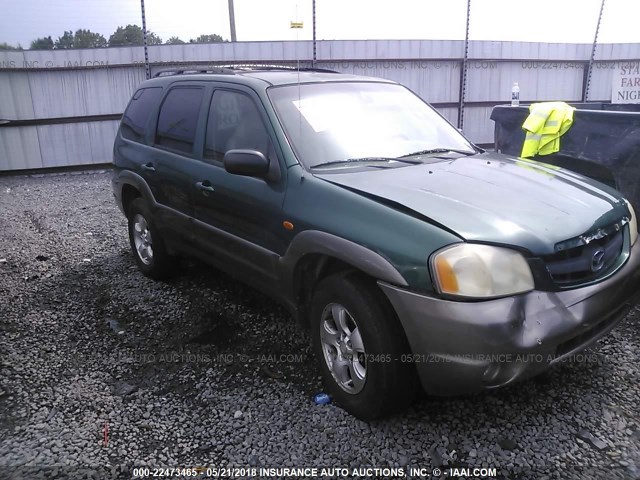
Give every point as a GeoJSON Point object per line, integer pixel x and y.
{"type": "Point", "coordinates": [597, 261]}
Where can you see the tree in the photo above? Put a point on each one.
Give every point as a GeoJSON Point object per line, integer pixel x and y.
{"type": "Point", "coordinates": [129, 35]}
{"type": "Point", "coordinates": [65, 41]}
{"type": "Point", "coordinates": [81, 39]}
{"type": "Point", "coordinates": [44, 43]}
{"type": "Point", "coordinates": [132, 35]}
{"type": "Point", "coordinates": [6, 46]}
{"type": "Point", "coordinates": [213, 38]}
{"type": "Point", "coordinates": [174, 41]}
{"type": "Point", "coordinates": [88, 39]}
{"type": "Point", "coordinates": [153, 39]}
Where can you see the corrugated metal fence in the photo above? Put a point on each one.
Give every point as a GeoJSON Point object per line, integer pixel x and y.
{"type": "Point", "coordinates": [63, 106]}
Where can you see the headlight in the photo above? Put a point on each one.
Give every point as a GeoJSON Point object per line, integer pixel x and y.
{"type": "Point", "coordinates": [633, 224]}
{"type": "Point", "coordinates": [480, 271]}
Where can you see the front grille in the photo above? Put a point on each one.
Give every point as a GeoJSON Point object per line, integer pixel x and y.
{"type": "Point", "coordinates": [585, 263]}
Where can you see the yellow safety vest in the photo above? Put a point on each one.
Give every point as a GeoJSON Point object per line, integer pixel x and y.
{"type": "Point", "coordinates": [545, 124]}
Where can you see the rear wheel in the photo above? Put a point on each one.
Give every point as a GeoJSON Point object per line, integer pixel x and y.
{"type": "Point", "coordinates": [146, 243]}
{"type": "Point", "coordinates": [359, 344]}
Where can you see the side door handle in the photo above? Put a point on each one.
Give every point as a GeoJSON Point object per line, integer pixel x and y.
{"type": "Point", "coordinates": [205, 187]}
{"type": "Point", "coordinates": [149, 167]}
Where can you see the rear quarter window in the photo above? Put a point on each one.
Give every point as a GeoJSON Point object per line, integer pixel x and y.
{"type": "Point", "coordinates": [137, 115]}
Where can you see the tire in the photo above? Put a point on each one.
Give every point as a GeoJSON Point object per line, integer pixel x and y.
{"type": "Point", "coordinates": [369, 378]}
{"type": "Point", "coordinates": [146, 243]}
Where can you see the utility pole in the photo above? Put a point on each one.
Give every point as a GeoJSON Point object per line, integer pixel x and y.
{"type": "Point", "coordinates": [232, 21]}
{"type": "Point", "coordinates": [147, 70]}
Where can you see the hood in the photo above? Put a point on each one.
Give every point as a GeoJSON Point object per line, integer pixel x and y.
{"type": "Point", "coordinates": [493, 198]}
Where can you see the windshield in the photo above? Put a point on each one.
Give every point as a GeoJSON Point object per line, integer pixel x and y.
{"type": "Point", "coordinates": [334, 122]}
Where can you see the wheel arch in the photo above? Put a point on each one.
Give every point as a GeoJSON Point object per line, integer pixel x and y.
{"type": "Point", "coordinates": [129, 194]}
{"type": "Point", "coordinates": [314, 255]}
{"type": "Point", "coordinates": [132, 187]}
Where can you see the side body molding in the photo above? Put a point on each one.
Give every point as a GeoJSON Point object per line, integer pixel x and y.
{"type": "Point", "coordinates": [317, 242]}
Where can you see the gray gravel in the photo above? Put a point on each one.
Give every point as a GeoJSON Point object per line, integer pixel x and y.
{"type": "Point", "coordinates": [193, 371]}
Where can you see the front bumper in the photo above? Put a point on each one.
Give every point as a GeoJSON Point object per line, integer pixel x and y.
{"type": "Point", "coordinates": [466, 347]}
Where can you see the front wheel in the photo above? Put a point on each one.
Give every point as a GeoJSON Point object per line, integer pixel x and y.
{"type": "Point", "coordinates": [359, 344]}
{"type": "Point", "coordinates": [146, 244]}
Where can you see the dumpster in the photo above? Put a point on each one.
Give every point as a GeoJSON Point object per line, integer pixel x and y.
{"type": "Point", "coordinates": [603, 143]}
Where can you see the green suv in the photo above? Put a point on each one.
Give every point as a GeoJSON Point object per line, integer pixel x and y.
{"type": "Point", "coordinates": [415, 258]}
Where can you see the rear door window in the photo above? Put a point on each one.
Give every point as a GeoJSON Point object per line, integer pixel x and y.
{"type": "Point", "coordinates": [178, 118]}
{"type": "Point", "coordinates": [137, 115]}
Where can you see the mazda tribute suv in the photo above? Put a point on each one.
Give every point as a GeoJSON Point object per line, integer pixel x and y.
{"type": "Point", "coordinates": [416, 259]}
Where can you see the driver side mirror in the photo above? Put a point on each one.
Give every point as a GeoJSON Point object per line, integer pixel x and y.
{"type": "Point", "coordinates": [250, 163]}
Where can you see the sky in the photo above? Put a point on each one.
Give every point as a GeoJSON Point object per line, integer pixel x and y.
{"type": "Point", "coordinates": [571, 21]}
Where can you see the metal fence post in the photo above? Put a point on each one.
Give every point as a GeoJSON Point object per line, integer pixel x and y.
{"type": "Point", "coordinates": [147, 70]}
{"type": "Point", "coordinates": [463, 72]}
{"type": "Point", "coordinates": [585, 91]}
{"type": "Point", "coordinates": [313, 8]}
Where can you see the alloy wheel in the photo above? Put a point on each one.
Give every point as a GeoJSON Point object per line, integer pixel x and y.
{"type": "Point", "coordinates": [343, 348]}
{"type": "Point", "coordinates": [142, 239]}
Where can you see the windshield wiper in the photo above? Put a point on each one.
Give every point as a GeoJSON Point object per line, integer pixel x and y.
{"type": "Point", "coordinates": [367, 159]}
{"type": "Point", "coordinates": [438, 150]}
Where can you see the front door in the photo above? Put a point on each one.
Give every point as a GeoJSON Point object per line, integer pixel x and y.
{"type": "Point", "coordinates": [240, 217]}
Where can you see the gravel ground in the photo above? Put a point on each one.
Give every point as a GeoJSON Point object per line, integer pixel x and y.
{"type": "Point", "coordinates": [203, 371]}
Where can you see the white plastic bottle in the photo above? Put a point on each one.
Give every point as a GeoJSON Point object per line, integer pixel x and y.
{"type": "Point", "coordinates": [515, 95]}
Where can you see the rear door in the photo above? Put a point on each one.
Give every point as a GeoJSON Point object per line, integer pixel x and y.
{"type": "Point", "coordinates": [173, 161]}
{"type": "Point", "coordinates": [240, 217]}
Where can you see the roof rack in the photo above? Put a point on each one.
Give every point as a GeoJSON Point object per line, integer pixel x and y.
{"type": "Point", "coordinates": [193, 71]}
{"type": "Point", "coordinates": [280, 67]}
{"type": "Point", "coordinates": [239, 68]}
